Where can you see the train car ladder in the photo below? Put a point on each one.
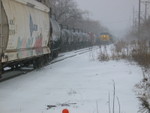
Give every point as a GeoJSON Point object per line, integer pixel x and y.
{"type": "Point", "coordinates": [1, 38]}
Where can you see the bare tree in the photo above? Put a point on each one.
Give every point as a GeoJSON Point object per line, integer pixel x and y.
{"type": "Point", "coordinates": [144, 31]}
{"type": "Point", "coordinates": [66, 12]}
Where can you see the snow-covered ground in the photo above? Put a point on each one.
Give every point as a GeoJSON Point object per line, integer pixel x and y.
{"type": "Point", "coordinates": [81, 84]}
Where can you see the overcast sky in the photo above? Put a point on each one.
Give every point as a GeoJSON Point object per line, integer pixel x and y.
{"type": "Point", "coordinates": [116, 15]}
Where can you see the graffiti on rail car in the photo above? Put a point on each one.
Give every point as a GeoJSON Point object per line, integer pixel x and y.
{"type": "Point", "coordinates": [33, 27]}
{"type": "Point", "coordinates": [38, 45]}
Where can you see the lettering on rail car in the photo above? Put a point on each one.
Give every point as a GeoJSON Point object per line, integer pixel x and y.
{"type": "Point", "coordinates": [12, 31]}
{"type": "Point", "coordinates": [12, 22]}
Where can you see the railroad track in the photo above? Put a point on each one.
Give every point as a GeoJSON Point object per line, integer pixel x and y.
{"type": "Point", "coordinates": [70, 56]}
{"type": "Point", "coordinates": [15, 73]}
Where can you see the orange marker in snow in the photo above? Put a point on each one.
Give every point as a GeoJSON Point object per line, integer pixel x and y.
{"type": "Point", "coordinates": [65, 111]}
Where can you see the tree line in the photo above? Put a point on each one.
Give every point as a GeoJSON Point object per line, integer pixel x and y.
{"type": "Point", "coordinates": [67, 12]}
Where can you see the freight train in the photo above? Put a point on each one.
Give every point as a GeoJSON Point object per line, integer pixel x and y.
{"type": "Point", "coordinates": [29, 36]}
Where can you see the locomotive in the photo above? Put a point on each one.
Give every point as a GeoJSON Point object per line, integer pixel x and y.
{"type": "Point", "coordinates": [28, 35]}
{"type": "Point", "coordinates": [105, 38]}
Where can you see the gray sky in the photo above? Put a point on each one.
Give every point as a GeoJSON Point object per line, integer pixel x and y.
{"type": "Point", "coordinates": [116, 15]}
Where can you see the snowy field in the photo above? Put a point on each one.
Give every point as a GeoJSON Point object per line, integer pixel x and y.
{"type": "Point", "coordinates": [80, 83]}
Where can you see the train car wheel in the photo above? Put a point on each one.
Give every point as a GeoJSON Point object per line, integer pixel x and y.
{"type": "Point", "coordinates": [35, 63]}
{"type": "Point", "coordinates": [55, 54]}
{"type": "Point", "coordinates": [46, 59]}
{"type": "Point", "coordinates": [1, 70]}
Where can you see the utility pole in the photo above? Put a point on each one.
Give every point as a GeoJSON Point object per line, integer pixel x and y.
{"type": "Point", "coordinates": [139, 20]}
{"type": "Point", "coordinates": [97, 107]}
{"type": "Point", "coordinates": [146, 3]}
{"type": "Point", "coordinates": [134, 21]}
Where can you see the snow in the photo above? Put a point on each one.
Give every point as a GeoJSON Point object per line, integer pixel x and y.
{"type": "Point", "coordinates": [79, 83]}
